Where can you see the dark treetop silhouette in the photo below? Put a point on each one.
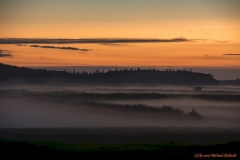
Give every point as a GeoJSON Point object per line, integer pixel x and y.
{"type": "Point", "coordinates": [127, 76]}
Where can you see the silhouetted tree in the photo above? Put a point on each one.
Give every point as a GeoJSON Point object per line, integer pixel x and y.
{"type": "Point", "coordinates": [135, 76]}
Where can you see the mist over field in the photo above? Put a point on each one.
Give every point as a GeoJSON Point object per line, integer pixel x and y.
{"type": "Point", "coordinates": [135, 88]}
{"type": "Point", "coordinates": [29, 106]}
{"type": "Point", "coordinates": [149, 79]}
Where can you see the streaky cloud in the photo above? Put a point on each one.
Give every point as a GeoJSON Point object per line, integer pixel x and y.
{"type": "Point", "coordinates": [97, 40]}
{"type": "Point", "coordinates": [21, 44]}
{"type": "Point", "coordinates": [231, 54]}
{"type": "Point", "coordinates": [223, 41]}
{"type": "Point", "coordinates": [64, 48]}
{"type": "Point", "coordinates": [5, 53]}
{"type": "Point", "coordinates": [114, 44]}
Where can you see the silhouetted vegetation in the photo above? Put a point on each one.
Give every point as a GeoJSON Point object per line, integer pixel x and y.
{"type": "Point", "coordinates": [172, 150]}
{"type": "Point", "coordinates": [163, 110]}
{"type": "Point", "coordinates": [230, 82]}
{"type": "Point", "coordinates": [65, 95]}
{"type": "Point", "coordinates": [81, 98]}
{"type": "Point", "coordinates": [193, 113]}
{"type": "Point", "coordinates": [197, 89]}
{"type": "Point", "coordinates": [151, 76]}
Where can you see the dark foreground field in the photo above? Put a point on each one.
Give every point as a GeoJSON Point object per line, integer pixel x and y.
{"type": "Point", "coordinates": [123, 142]}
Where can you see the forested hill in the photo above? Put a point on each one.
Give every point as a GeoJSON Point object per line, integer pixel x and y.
{"type": "Point", "coordinates": [14, 74]}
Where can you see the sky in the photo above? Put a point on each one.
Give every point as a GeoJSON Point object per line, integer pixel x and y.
{"type": "Point", "coordinates": [210, 29]}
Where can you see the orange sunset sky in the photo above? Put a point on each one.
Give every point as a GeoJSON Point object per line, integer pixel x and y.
{"type": "Point", "coordinates": [209, 31]}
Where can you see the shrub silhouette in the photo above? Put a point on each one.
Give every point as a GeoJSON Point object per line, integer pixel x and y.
{"type": "Point", "coordinates": [164, 110]}
{"type": "Point", "coordinates": [197, 89]}
{"type": "Point", "coordinates": [193, 113]}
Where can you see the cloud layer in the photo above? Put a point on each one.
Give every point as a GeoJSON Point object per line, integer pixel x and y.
{"type": "Point", "coordinates": [223, 41]}
{"type": "Point", "coordinates": [64, 48]}
{"type": "Point", "coordinates": [5, 53]}
{"type": "Point", "coordinates": [231, 54]}
{"type": "Point", "coordinates": [98, 40]}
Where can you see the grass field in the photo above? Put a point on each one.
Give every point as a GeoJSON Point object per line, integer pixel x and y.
{"type": "Point", "coordinates": [136, 142]}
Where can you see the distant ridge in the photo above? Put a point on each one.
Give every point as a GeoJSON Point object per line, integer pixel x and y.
{"type": "Point", "coordinates": [14, 74]}
{"type": "Point", "coordinates": [230, 82]}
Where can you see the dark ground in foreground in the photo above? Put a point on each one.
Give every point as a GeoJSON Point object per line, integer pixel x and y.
{"type": "Point", "coordinates": [135, 142]}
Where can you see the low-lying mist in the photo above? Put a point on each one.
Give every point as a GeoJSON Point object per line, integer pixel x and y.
{"type": "Point", "coordinates": [29, 112]}
{"type": "Point", "coordinates": [206, 107]}
{"type": "Point", "coordinates": [165, 89]}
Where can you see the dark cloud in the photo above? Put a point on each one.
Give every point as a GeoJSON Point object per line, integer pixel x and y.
{"type": "Point", "coordinates": [5, 53]}
{"type": "Point", "coordinates": [98, 40]}
{"type": "Point", "coordinates": [65, 48]}
{"type": "Point", "coordinates": [34, 46]}
{"type": "Point", "coordinates": [231, 54]}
